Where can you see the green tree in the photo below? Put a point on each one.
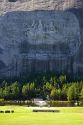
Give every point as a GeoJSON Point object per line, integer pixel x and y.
{"type": "Point", "coordinates": [61, 81]}
{"type": "Point", "coordinates": [64, 92]}
{"type": "Point", "coordinates": [7, 92]}
{"type": "Point", "coordinates": [32, 90]}
{"type": "Point", "coordinates": [15, 90]}
{"type": "Point", "coordinates": [53, 93]}
{"type": "Point", "coordinates": [28, 90]}
{"type": "Point", "coordinates": [1, 92]}
{"type": "Point", "coordinates": [81, 95]}
{"type": "Point", "coordinates": [47, 89]}
{"type": "Point", "coordinates": [73, 92]}
{"type": "Point", "coordinates": [25, 90]}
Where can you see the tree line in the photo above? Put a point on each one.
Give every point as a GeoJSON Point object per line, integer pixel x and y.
{"type": "Point", "coordinates": [51, 88]}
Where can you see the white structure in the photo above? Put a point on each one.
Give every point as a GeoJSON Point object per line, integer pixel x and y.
{"type": "Point", "coordinates": [40, 102]}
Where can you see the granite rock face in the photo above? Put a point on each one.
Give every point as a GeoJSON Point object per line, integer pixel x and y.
{"type": "Point", "coordinates": [24, 5]}
{"type": "Point", "coordinates": [41, 38]}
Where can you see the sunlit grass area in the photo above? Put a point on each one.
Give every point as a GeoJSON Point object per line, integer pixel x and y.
{"type": "Point", "coordinates": [24, 116]}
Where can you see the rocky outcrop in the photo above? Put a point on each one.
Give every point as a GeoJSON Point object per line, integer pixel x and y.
{"type": "Point", "coordinates": [41, 36]}
{"type": "Point", "coordinates": [28, 5]}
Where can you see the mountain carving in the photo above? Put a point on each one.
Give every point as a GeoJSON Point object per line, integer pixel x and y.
{"type": "Point", "coordinates": [41, 36]}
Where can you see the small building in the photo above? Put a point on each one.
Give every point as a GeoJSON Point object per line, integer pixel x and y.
{"type": "Point", "coordinates": [39, 102]}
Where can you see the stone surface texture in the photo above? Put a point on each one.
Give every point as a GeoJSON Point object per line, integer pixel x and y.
{"type": "Point", "coordinates": [41, 36]}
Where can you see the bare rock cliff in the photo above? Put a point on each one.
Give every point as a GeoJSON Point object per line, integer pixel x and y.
{"type": "Point", "coordinates": [28, 5]}
{"type": "Point", "coordinates": [41, 36]}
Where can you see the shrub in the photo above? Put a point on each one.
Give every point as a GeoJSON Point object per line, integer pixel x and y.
{"type": "Point", "coordinates": [7, 111]}
{"type": "Point", "coordinates": [12, 111]}
{"type": "Point", "coordinates": [60, 103]}
{"type": "Point", "coordinates": [1, 111]}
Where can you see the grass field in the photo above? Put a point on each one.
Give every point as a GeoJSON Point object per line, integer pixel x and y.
{"type": "Point", "coordinates": [25, 116]}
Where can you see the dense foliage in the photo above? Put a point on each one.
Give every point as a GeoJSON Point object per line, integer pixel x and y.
{"type": "Point", "coordinates": [50, 88]}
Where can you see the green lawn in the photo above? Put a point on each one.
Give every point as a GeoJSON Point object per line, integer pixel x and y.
{"type": "Point", "coordinates": [25, 116]}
